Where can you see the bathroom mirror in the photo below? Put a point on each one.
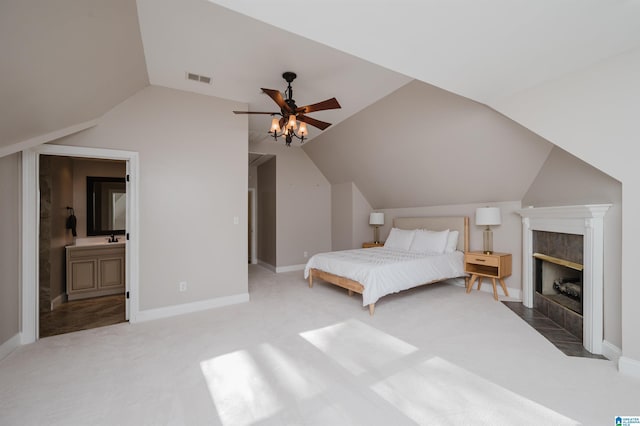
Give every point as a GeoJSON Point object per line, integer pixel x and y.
{"type": "Point", "coordinates": [106, 205]}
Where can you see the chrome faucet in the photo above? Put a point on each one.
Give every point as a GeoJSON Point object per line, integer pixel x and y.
{"type": "Point", "coordinates": [113, 239]}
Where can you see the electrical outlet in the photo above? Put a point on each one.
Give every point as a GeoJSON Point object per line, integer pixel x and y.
{"type": "Point", "coordinates": [305, 254]}
{"type": "Point", "coordinates": [182, 286]}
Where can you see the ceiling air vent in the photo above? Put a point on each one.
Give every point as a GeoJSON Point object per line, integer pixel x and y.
{"type": "Point", "coordinates": [201, 78]}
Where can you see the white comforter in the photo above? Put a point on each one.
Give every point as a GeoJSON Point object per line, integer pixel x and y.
{"type": "Point", "coordinates": [384, 271]}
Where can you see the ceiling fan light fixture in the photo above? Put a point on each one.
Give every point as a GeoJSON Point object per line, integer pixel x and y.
{"type": "Point", "coordinates": [292, 122]}
{"type": "Point", "coordinates": [302, 131]}
{"type": "Point", "coordinates": [290, 113]}
{"type": "Point", "coordinates": [275, 126]}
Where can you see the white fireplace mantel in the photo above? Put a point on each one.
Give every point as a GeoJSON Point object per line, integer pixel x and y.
{"type": "Point", "coordinates": [588, 221]}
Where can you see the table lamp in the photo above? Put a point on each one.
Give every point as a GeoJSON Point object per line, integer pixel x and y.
{"type": "Point", "coordinates": [488, 216]}
{"type": "Point", "coordinates": [376, 219]}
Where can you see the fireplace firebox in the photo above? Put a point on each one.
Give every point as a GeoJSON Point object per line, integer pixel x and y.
{"type": "Point", "coordinates": [558, 278]}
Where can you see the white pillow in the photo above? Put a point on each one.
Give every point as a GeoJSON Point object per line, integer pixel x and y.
{"type": "Point", "coordinates": [399, 239]}
{"type": "Point", "coordinates": [429, 241]}
{"type": "Point", "coordinates": [452, 242]}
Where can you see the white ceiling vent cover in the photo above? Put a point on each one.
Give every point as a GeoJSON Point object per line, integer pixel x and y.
{"type": "Point", "coordinates": [197, 77]}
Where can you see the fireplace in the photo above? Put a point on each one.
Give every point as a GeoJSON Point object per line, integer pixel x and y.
{"type": "Point", "coordinates": [571, 238]}
{"type": "Point", "coordinates": [558, 281]}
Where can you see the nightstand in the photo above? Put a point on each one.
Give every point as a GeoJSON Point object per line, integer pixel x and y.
{"type": "Point", "coordinates": [372, 244]}
{"type": "Point", "coordinates": [481, 265]}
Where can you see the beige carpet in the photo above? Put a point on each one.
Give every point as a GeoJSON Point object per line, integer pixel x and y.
{"type": "Point", "coordinates": [294, 355]}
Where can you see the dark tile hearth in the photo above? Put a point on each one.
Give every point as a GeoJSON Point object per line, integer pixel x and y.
{"type": "Point", "coordinates": [568, 343]}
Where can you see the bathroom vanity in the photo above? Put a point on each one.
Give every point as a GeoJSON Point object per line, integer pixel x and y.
{"type": "Point", "coordinates": [95, 270]}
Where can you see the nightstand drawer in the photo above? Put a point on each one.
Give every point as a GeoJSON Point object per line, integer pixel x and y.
{"type": "Point", "coordinates": [481, 259]}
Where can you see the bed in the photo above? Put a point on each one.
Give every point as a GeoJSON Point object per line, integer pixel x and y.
{"type": "Point", "coordinates": [376, 272]}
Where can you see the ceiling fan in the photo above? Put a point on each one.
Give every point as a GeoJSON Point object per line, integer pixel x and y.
{"type": "Point", "coordinates": [290, 113]}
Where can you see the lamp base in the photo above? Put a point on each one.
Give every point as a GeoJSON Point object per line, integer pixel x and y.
{"type": "Point", "coordinates": [376, 234]}
{"type": "Point", "coordinates": [487, 241]}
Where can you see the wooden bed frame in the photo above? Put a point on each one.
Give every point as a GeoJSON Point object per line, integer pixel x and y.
{"type": "Point", "coordinates": [435, 223]}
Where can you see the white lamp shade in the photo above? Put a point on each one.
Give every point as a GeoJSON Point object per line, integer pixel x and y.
{"type": "Point", "coordinates": [488, 216]}
{"type": "Point", "coordinates": [376, 219]}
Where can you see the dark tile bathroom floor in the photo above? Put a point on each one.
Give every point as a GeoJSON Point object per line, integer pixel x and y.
{"type": "Point", "coordinates": [561, 338]}
{"type": "Point", "coordinates": [83, 314]}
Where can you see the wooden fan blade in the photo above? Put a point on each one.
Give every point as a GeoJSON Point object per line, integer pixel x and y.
{"type": "Point", "coordinates": [255, 112]}
{"type": "Point", "coordinates": [277, 97]}
{"type": "Point", "coordinates": [320, 106]}
{"type": "Point", "coordinates": [312, 121]}
{"type": "Point", "coordinates": [282, 122]}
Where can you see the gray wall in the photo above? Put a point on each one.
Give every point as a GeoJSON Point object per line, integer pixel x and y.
{"type": "Point", "coordinates": [349, 217]}
{"type": "Point", "coordinates": [303, 204]}
{"type": "Point", "coordinates": [65, 62]}
{"type": "Point", "coordinates": [566, 180]}
{"type": "Point", "coordinates": [424, 146]}
{"type": "Point", "coordinates": [341, 216]}
{"type": "Point", "coordinates": [9, 246]}
{"type": "Point", "coordinates": [267, 239]}
{"type": "Point", "coordinates": [193, 184]}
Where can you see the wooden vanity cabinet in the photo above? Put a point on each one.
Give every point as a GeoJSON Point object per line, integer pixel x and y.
{"type": "Point", "coordinates": [94, 271]}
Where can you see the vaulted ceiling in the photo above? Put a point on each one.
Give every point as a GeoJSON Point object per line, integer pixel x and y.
{"type": "Point", "coordinates": [70, 62]}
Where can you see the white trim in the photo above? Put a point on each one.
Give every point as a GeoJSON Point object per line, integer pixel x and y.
{"type": "Point", "coordinates": [59, 300]}
{"type": "Point", "coordinates": [30, 226]}
{"type": "Point", "coordinates": [629, 366]}
{"type": "Point", "coordinates": [29, 249]}
{"type": "Point", "coordinates": [514, 293]}
{"type": "Point", "coordinates": [254, 227]}
{"type": "Point", "coordinates": [585, 220]}
{"type": "Point", "coordinates": [47, 137]}
{"type": "Point", "coordinates": [290, 268]}
{"type": "Point", "coordinates": [267, 265]}
{"type": "Point", "coordinates": [10, 345]}
{"type": "Point", "coordinates": [187, 308]}
{"type": "Point", "coordinates": [611, 351]}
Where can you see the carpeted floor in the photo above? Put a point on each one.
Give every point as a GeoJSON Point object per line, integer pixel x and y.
{"type": "Point", "coordinates": [293, 355]}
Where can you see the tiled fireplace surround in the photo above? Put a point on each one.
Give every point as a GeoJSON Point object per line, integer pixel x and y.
{"type": "Point", "coordinates": [584, 220]}
{"type": "Point", "coordinates": [565, 247]}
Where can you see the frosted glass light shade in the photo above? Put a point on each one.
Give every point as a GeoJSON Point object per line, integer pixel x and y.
{"type": "Point", "coordinates": [275, 125]}
{"type": "Point", "coordinates": [292, 122]}
{"type": "Point", "coordinates": [488, 216]}
{"type": "Point", "coordinates": [376, 219]}
{"type": "Point", "coordinates": [303, 129]}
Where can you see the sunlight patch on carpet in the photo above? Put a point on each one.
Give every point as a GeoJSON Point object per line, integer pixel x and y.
{"type": "Point", "coordinates": [239, 390]}
{"type": "Point", "coordinates": [357, 347]}
{"type": "Point", "coordinates": [437, 392]}
{"type": "Point", "coordinates": [250, 386]}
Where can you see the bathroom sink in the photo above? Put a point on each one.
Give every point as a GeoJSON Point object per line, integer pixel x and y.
{"type": "Point", "coordinates": [96, 241]}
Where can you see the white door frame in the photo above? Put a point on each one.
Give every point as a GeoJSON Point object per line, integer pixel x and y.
{"type": "Point", "coordinates": [31, 223]}
{"type": "Point", "coordinates": [254, 233]}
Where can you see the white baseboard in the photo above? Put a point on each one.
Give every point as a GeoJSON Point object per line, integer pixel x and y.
{"type": "Point", "coordinates": [7, 347]}
{"type": "Point", "coordinates": [187, 308]}
{"type": "Point", "coordinates": [611, 351]}
{"type": "Point", "coordinates": [290, 268]}
{"type": "Point", "coordinates": [629, 366]}
{"type": "Point", "coordinates": [515, 294]}
{"type": "Point", "coordinates": [59, 300]}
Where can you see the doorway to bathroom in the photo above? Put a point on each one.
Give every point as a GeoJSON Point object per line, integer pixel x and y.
{"type": "Point", "coordinates": [82, 243]}
{"type": "Point", "coordinates": [98, 264]}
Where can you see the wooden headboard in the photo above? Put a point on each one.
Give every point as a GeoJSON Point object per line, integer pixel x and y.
{"type": "Point", "coordinates": [438, 223]}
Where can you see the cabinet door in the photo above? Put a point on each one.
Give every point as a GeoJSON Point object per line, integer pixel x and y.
{"type": "Point", "coordinates": [83, 276]}
{"type": "Point", "coordinates": [111, 272]}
